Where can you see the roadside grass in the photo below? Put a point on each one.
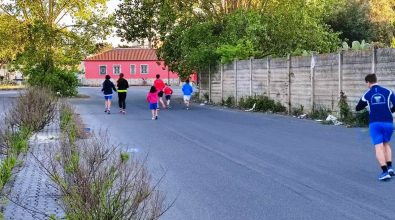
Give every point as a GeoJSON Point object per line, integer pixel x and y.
{"type": "Point", "coordinates": [11, 87]}
{"type": "Point", "coordinates": [96, 179]}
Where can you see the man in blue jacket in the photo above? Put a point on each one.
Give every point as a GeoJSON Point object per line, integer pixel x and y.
{"type": "Point", "coordinates": [380, 100]}
{"type": "Point", "coordinates": [187, 90]}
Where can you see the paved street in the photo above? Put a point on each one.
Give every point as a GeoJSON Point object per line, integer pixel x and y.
{"type": "Point", "coordinates": [225, 164]}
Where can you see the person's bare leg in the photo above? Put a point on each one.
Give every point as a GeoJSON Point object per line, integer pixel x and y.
{"type": "Point", "coordinates": [380, 154]}
{"type": "Point", "coordinates": [161, 102]}
{"type": "Point", "coordinates": [387, 152]}
{"type": "Point", "coordinates": [153, 113]}
{"type": "Point", "coordinates": [109, 105]}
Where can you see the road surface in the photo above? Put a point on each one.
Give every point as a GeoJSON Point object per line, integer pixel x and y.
{"type": "Point", "coordinates": [227, 164]}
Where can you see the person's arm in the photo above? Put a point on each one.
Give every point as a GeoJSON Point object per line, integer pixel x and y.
{"type": "Point", "coordinates": [392, 100]}
{"type": "Point", "coordinates": [361, 104]}
{"type": "Point", "coordinates": [127, 83]}
{"type": "Point", "coordinates": [113, 87]}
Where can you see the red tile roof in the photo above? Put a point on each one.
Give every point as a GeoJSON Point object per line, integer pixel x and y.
{"type": "Point", "coordinates": [124, 54]}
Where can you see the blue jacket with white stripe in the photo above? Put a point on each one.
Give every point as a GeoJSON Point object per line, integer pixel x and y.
{"type": "Point", "coordinates": [380, 101]}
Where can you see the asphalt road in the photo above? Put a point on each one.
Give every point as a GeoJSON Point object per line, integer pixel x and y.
{"type": "Point", "coordinates": [226, 164]}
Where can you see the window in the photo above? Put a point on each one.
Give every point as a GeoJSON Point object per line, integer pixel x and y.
{"type": "Point", "coordinates": [132, 69]}
{"type": "Point", "coordinates": [103, 70]}
{"type": "Point", "coordinates": [144, 69]}
{"type": "Point", "coordinates": [117, 69]}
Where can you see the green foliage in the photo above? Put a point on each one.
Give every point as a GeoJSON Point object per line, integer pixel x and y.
{"type": "Point", "coordinates": [124, 157]}
{"type": "Point", "coordinates": [360, 119]}
{"type": "Point", "coordinates": [351, 19]}
{"type": "Point", "coordinates": [230, 102]}
{"type": "Point", "coordinates": [200, 39]}
{"type": "Point", "coordinates": [345, 111]}
{"type": "Point", "coordinates": [6, 169]}
{"type": "Point", "coordinates": [60, 81]}
{"type": "Point", "coordinates": [319, 113]}
{"type": "Point", "coordinates": [19, 140]}
{"type": "Point", "coordinates": [298, 111]}
{"type": "Point", "coordinates": [262, 104]}
{"type": "Point", "coordinates": [47, 48]}
{"type": "Point", "coordinates": [137, 20]}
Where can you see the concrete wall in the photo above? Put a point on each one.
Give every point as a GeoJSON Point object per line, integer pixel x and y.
{"type": "Point", "coordinates": [301, 81]}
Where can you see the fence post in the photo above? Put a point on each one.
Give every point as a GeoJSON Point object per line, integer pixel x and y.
{"type": "Point", "coordinates": [340, 70]}
{"type": "Point", "coordinates": [235, 66]}
{"type": "Point", "coordinates": [251, 76]}
{"type": "Point", "coordinates": [209, 83]}
{"type": "Point", "coordinates": [222, 82]}
{"type": "Point", "coordinates": [289, 83]}
{"type": "Point", "coordinates": [374, 59]}
{"type": "Point", "coordinates": [268, 76]}
{"type": "Point", "coordinates": [312, 76]}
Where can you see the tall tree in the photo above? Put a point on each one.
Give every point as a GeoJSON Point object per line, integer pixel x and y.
{"type": "Point", "coordinates": [56, 36]}
{"type": "Point", "coordinates": [137, 20]}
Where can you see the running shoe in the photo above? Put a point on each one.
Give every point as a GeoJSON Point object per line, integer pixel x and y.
{"type": "Point", "coordinates": [156, 117]}
{"type": "Point", "coordinates": [384, 176]}
{"type": "Point", "coordinates": [391, 171]}
{"type": "Point", "coordinates": [153, 118]}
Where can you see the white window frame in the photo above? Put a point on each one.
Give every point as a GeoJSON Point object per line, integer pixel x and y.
{"type": "Point", "coordinates": [113, 69]}
{"type": "Point", "coordinates": [141, 69]}
{"type": "Point", "coordinates": [134, 69]}
{"type": "Point", "coordinates": [100, 66]}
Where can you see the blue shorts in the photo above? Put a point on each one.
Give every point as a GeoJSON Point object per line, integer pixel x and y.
{"type": "Point", "coordinates": [107, 97]}
{"type": "Point", "coordinates": [381, 132]}
{"type": "Point", "coordinates": [153, 106]}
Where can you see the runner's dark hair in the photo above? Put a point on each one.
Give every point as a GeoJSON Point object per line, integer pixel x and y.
{"type": "Point", "coordinates": [371, 78]}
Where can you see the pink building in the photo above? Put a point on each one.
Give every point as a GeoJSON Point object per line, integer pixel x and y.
{"type": "Point", "coordinates": [139, 66]}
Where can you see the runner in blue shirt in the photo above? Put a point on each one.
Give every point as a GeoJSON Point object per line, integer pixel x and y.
{"type": "Point", "coordinates": [380, 100]}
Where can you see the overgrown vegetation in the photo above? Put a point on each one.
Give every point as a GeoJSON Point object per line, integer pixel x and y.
{"type": "Point", "coordinates": [97, 180]}
{"type": "Point", "coordinates": [33, 110]}
{"type": "Point", "coordinates": [347, 116]}
{"type": "Point", "coordinates": [262, 104]}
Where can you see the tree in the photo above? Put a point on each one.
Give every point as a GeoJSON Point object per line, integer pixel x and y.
{"type": "Point", "coordinates": [137, 20]}
{"type": "Point", "coordinates": [206, 33]}
{"type": "Point", "coordinates": [352, 21]}
{"type": "Point", "coordinates": [50, 45]}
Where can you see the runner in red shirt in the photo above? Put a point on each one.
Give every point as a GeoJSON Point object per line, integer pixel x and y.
{"type": "Point", "coordinates": [168, 92]}
{"type": "Point", "coordinates": [160, 85]}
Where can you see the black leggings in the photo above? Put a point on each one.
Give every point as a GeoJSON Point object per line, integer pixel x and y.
{"type": "Point", "coordinates": [122, 100]}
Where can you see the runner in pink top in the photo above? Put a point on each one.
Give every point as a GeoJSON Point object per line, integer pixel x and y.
{"type": "Point", "coordinates": [152, 99]}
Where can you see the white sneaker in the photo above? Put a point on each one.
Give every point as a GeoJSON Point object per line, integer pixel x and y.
{"type": "Point", "coordinates": [153, 118]}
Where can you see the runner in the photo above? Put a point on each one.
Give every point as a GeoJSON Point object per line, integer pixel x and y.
{"type": "Point", "coordinates": [187, 90]}
{"type": "Point", "coordinates": [160, 85]}
{"type": "Point", "coordinates": [168, 92]}
{"type": "Point", "coordinates": [379, 100]}
{"type": "Point", "coordinates": [123, 86]}
{"type": "Point", "coordinates": [152, 99]}
{"type": "Point", "coordinates": [107, 90]}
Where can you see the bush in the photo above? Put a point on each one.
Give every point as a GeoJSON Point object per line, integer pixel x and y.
{"type": "Point", "coordinates": [298, 111]}
{"type": "Point", "coordinates": [320, 113]}
{"type": "Point", "coordinates": [229, 101]}
{"type": "Point", "coordinates": [35, 108]}
{"type": "Point", "coordinates": [97, 180]}
{"type": "Point", "coordinates": [61, 82]}
{"type": "Point", "coordinates": [262, 104]}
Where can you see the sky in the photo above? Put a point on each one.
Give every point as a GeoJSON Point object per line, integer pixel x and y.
{"type": "Point", "coordinates": [112, 5]}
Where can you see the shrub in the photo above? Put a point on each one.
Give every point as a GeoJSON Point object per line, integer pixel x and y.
{"type": "Point", "coordinates": [60, 81]}
{"type": "Point", "coordinates": [97, 181]}
{"type": "Point", "coordinates": [229, 101]}
{"type": "Point", "coordinates": [320, 113]}
{"type": "Point", "coordinates": [298, 111]}
{"type": "Point", "coordinates": [35, 108]}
